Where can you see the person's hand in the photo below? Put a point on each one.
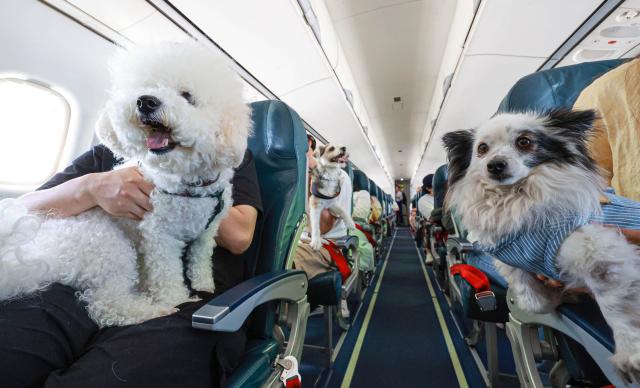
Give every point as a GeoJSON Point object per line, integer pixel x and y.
{"type": "Point", "coordinates": [122, 193]}
{"type": "Point", "coordinates": [552, 283]}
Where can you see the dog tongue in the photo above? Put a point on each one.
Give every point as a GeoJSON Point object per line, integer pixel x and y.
{"type": "Point", "coordinates": [158, 140]}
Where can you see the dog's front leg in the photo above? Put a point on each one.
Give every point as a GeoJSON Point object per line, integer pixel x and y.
{"type": "Point", "coordinates": [162, 266]}
{"type": "Point", "coordinates": [315, 212]}
{"type": "Point", "coordinates": [200, 264]}
{"type": "Point", "coordinates": [601, 259]}
{"type": "Point", "coordinates": [530, 293]}
{"type": "Point", "coordinates": [339, 212]}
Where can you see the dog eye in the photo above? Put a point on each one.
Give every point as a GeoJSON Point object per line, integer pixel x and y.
{"type": "Point", "coordinates": [187, 96]}
{"type": "Point", "coordinates": [483, 148]}
{"type": "Point", "coordinates": [524, 143]}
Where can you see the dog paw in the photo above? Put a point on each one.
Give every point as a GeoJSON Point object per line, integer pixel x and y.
{"type": "Point", "coordinates": [204, 285]}
{"type": "Point", "coordinates": [627, 365]}
{"type": "Point", "coordinates": [316, 244]}
{"type": "Point", "coordinates": [350, 224]}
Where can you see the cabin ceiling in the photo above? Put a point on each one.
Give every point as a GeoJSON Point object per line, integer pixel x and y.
{"type": "Point", "coordinates": [500, 50]}
{"type": "Point", "coordinates": [394, 48]}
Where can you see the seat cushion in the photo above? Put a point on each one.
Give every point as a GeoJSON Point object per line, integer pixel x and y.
{"type": "Point", "coordinates": [586, 314]}
{"type": "Point", "coordinates": [324, 289]}
{"type": "Point", "coordinates": [256, 365]}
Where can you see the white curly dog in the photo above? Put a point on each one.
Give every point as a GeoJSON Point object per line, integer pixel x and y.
{"type": "Point", "coordinates": [176, 111]}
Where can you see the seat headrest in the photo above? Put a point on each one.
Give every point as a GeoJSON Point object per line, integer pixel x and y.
{"type": "Point", "coordinates": [372, 188]}
{"type": "Point", "coordinates": [279, 147]}
{"type": "Point", "coordinates": [440, 185]}
{"type": "Point", "coordinates": [360, 181]}
{"type": "Point", "coordinates": [278, 144]}
{"type": "Point", "coordinates": [554, 88]}
{"type": "Point", "coordinates": [349, 170]}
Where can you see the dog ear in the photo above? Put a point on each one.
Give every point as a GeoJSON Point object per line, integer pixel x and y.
{"type": "Point", "coordinates": [235, 129]}
{"type": "Point", "coordinates": [319, 151]}
{"type": "Point", "coordinates": [459, 146]}
{"type": "Point", "coordinates": [575, 124]}
{"type": "Point", "coordinates": [108, 136]}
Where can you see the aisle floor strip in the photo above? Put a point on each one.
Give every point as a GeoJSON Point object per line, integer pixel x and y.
{"type": "Point", "coordinates": [457, 367]}
{"type": "Point", "coordinates": [348, 376]}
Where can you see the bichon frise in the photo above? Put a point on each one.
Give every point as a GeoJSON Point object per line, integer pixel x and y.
{"type": "Point", "coordinates": [530, 194]}
{"type": "Point", "coordinates": [176, 111]}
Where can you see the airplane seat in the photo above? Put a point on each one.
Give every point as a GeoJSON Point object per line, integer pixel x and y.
{"type": "Point", "coordinates": [277, 295]}
{"type": "Point", "coordinates": [577, 328]}
{"type": "Point", "coordinates": [437, 231]}
{"type": "Point", "coordinates": [328, 289]}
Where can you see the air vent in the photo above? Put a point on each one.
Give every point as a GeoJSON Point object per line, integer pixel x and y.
{"type": "Point", "coordinates": [621, 32]}
{"type": "Point", "coordinates": [397, 105]}
{"type": "Point", "coordinates": [587, 55]}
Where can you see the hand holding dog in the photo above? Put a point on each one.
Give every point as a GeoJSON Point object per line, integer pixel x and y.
{"type": "Point", "coordinates": [122, 193]}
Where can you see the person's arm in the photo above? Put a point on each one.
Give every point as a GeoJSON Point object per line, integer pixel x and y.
{"type": "Point", "coordinates": [327, 220]}
{"type": "Point", "coordinates": [237, 228]}
{"type": "Point", "coordinates": [121, 193]}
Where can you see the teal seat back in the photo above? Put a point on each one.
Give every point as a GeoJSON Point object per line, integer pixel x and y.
{"type": "Point", "coordinates": [554, 88]}
{"type": "Point", "coordinates": [349, 170]}
{"type": "Point", "coordinates": [372, 187]}
{"type": "Point", "coordinates": [440, 185]}
{"type": "Point", "coordinates": [278, 144]}
{"type": "Point", "coordinates": [360, 181]}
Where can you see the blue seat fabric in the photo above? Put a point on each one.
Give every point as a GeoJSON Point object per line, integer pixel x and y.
{"type": "Point", "coordinates": [278, 145]}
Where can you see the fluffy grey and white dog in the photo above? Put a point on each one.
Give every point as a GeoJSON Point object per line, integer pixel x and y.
{"type": "Point", "coordinates": [529, 193]}
{"type": "Point", "coordinates": [176, 111]}
{"type": "Point", "coordinates": [326, 182]}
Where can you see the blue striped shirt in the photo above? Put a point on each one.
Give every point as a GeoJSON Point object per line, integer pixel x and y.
{"type": "Point", "coordinates": [535, 249]}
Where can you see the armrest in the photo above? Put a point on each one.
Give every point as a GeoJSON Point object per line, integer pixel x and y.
{"type": "Point", "coordinates": [461, 244]}
{"type": "Point", "coordinates": [228, 311]}
{"type": "Point", "coordinates": [348, 242]}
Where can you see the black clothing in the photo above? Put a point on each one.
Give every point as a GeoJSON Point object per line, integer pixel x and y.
{"type": "Point", "coordinates": [47, 339]}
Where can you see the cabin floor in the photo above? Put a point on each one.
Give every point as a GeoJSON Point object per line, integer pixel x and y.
{"type": "Point", "coordinates": [404, 334]}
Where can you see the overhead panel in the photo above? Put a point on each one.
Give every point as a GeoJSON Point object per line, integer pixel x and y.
{"type": "Point", "coordinates": [617, 36]}
{"type": "Point", "coordinates": [509, 40]}
{"type": "Point", "coordinates": [273, 42]}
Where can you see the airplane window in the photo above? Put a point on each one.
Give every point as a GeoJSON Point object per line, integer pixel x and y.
{"type": "Point", "coordinates": [35, 120]}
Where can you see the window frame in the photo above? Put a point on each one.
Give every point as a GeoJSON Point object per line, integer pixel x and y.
{"type": "Point", "coordinates": [14, 186]}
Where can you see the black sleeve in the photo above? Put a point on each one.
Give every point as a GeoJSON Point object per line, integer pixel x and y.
{"type": "Point", "coordinates": [246, 190]}
{"type": "Point", "coordinates": [98, 159]}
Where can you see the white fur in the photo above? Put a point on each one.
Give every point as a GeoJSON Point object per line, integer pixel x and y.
{"type": "Point", "coordinates": [128, 271]}
{"type": "Point", "coordinates": [594, 256]}
{"type": "Point", "coordinates": [330, 160]}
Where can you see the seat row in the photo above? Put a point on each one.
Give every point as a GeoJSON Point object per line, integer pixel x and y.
{"type": "Point", "coordinates": [278, 297]}
{"type": "Point", "coordinates": [568, 347]}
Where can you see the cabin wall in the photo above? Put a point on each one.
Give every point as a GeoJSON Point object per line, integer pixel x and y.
{"type": "Point", "coordinates": [41, 44]}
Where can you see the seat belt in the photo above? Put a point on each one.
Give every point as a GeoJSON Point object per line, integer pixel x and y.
{"type": "Point", "coordinates": [480, 282]}
{"type": "Point", "coordinates": [338, 259]}
{"type": "Point", "coordinates": [368, 235]}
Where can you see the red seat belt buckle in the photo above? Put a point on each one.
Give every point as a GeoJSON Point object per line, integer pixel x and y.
{"type": "Point", "coordinates": [485, 298]}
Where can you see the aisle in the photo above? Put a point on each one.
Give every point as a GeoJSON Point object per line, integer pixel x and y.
{"type": "Point", "coordinates": [402, 343]}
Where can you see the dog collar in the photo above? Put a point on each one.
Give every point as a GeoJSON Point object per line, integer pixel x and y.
{"type": "Point", "coordinates": [317, 194]}
{"type": "Point", "coordinates": [204, 183]}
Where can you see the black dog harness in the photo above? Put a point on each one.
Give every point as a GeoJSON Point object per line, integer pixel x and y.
{"type": "Point", "coordinates": [185, 250]}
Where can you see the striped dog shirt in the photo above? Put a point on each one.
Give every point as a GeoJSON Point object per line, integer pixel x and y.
{"type": "Point", "coordinates": [535, 249]}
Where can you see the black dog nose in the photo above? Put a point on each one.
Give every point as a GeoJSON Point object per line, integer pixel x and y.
{"type": "Point", "coordinates": [148, 104]}
{"type": "Point", "coordinates": [497, 166]}
{"type": "Point", "coordinates": [343, 149]}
